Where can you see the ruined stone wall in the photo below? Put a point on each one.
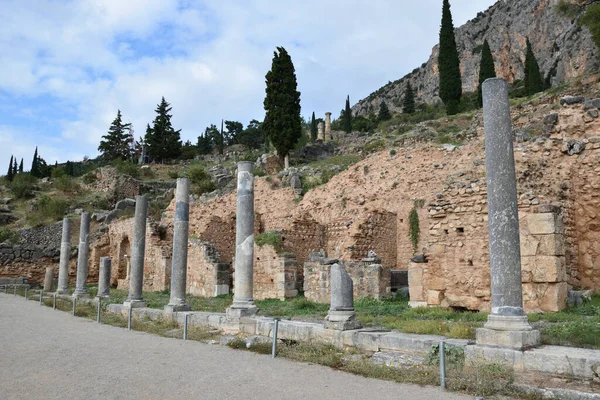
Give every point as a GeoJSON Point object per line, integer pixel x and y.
{"type": "Point", "coordinates": [376, 231]}
{"type": "Point", "coordinates": [304, 237]}
{"type": "Point", "coordinates": [206, 277]}
{"type": "Point", "coordinates": [369, 279]}
{"type": "Point", "coordinates": [275, 275]}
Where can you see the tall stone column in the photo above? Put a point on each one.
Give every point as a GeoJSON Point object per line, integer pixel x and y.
{"type": "Point", "coordinates": [341, 314]}
{"type": "Point", "coordinates": [243, 301]}
{"type": "Point", "coordinates": [83, 256]}
{"type": "Point", "coordinates": [48, 279]}
{"type": "Point", "coordinates": [65, 252]}
{"type": "Point", "coordinates": [138, 250]}
{"type": "Point", "coordinates": [507, 323]}
{"type": "Point", "coordinates": [320, 132]}
{"type": "Point", "coordinates": [328, 126]}
{"type": "Point", "coordinates": [180, 247]}
{"type": "Point", "coordinates": [104, 277]}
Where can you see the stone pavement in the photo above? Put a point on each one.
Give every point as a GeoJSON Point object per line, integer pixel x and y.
{"type": "Point", "coordinates": [50, 354]}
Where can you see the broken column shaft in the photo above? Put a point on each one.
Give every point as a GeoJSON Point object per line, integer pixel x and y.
{"type": "Point", "coordinates": [83, 256]}
{"type": "Point", "coordinates": [48, 279]}
{"type": "Point", "coordinates": [180, 247]}
{"type": "Point", "coordinates": [138, 249]}
{"type": "Point", "coordinates": [104, 277]}
{"type": "Point", "coordinates": [341, 314]}
{"type": "Point", "coordinates": [65, 251]}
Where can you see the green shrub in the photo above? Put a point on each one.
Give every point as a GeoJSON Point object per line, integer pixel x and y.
{"type": "Point", "coordinates": [413, 228]}
{"type": "Point", "coordinates": [272, 238]}
{"type": "Point", "coordinates": [127, 168]}
{"type": "Point", "coordinates": [393, 152]}
{"type": "Point", "coordinates": [66, 184]}
{"type": "Point", "coordinates": [147, 172]}
{"type": "Point", "coordinates": [173, 174]}
{"type": "Point", "coordinates": [48, 208]}
{"type": "Point", "coordinates": [201, 180]}
{"type": "Point", "coordinates": [377, 145]}
{"type": "Point", "coordinates": [23, 186]}
{"type": "Point", "coordinates": [8, 235]}
{"type": "Point", "coordinates": [100, 202]}
{"type": "Point", "coordinates": [89, 178]}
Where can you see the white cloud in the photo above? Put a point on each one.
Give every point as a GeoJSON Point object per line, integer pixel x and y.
{"type": "Point", "coordinates": [207, 58]}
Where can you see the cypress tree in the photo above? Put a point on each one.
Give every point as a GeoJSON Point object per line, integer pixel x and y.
{"type": "Point", "coordinates": [163, 141]}
{"type": "Point", "coordinates": [347, 121]}
{"type": "Point", "coordinates": [21, 166]}
{"type": "Point", "coordinates": [116, 142]}
{"type": "Point", "coordinates": [15, 169]}
{"type": "Point", "coordinates": [35, 166]}
{"type": "Point", "coordinates": [533, 78]}
{"type": "Point", "coordinates": [313, 128]}
{"type": "Point", "coordinates": [9, 174]}
{"type": "Point", "coordinates": [384, 112]}
{"type": "Point", "coordinates": [408, 106]}
{"type": "Point", "coordinates": [449, 64]}
{"type": "Point", "coordinates": [282, 125]}
{"type": "Point", "coordinates": [486, 69]}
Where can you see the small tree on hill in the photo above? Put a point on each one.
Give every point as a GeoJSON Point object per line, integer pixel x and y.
{"type": "Point", "coordinates": [347, 116]}
{"type": "Point", "coordinates": [449, 64]}
{"type": "Point", "coordinates": [9, 173]}
{"type": "Point", "coordinates": [35, 166]}
{"type": "Point", "coordinates": [164, 142]}
{"type": "Point", "coordinates": [21, 166]}
{"type": "Point", "coordinates": [116, 143]}
{"type": "Point", "coordinates": [408, 105]}
{"type": "Point", "coordinates": [533, 79]}
{"type": "Point", "coordinates": [313, 128]}
{"type": "Point", "coordinates": [15, 168]}
{"type": "Point", "coordinates": [384, 112]}
{"type": "Point", "coordinates": [282, 125]}
{"type": "Point", "coordinates": [486, 69]}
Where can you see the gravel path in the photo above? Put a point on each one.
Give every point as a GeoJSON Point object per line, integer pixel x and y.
{"type": "Point", "coordinates": [46, 354]}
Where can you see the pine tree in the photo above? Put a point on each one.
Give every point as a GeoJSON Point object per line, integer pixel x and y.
{"type": "Point", "coordinates": [21, 166]}
{"type": "Point", "coordinates": [408, 106]}
{"type": "Point", "coordinates": [9, 174]}
{"type": "Point", "coordinates": [282, 125]}
{"type": "Point", "coordinates": [313, 128]}
{"type": "Point", "coordinates": [35, 166]}
{"type": "Point", "coordinates": [347, 117]}
{"type": "Point", "coordinates": [164, 142]}
{"type": "Point", "coordinates": [449, 64]}
{"type": "Point", "coordinates": [15, 168]}
{"type": "Point", "coordinates": [116, 142]}
{"type": "Point", "coordinates": [384, 112]}
{"type": "Point", "coordinates": [486, 69]}
{"type": "Point", "coordinates": [533, 79]}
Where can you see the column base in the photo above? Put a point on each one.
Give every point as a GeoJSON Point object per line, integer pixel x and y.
{"type": "Point", "coordinates": [241, 309]}
{"type": "Point", "coordinates": [341, 321]}
{"type": "Point", "coordinates": [513, 332]}
{"type": "Point", "coordinates": [60, 291]}
{"type": "Point", "coordinates": [177, 307]}
{"type": "Point", "coordinates": [135, 304]}
{"type": "Point", "coordinates": [81, 294]}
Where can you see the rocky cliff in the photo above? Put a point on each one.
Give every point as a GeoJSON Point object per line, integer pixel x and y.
{"type": "Point", "coordinates": [563, 48]}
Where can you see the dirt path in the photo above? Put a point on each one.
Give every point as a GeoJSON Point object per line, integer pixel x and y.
{"type": "Point", "coordinates": [46, 354]}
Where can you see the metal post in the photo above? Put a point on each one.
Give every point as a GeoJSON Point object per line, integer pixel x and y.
{"type": "Point", "coordinates": [442, 365]}
{"type": "Point", "coordinates": [98, 310]}
{"type": "Point", "coordinates": [54, 301]}
{"type": "Point", "coordinates": [129, 318]}
{"type": "Point", "coordinates": [74, 304]}
{"type": "Point", "coordinates": [15, 289]}
{"type": "Point", "coordinates": [5, 289]}
{"type": "Point", "coordinates": [185, 326]}
{"type": "Point", "coordinates": [275, 328]}
{"type": "Point", "coordinates": [26, 293]}
{"type": "Point", "coordinates": [41, 297]}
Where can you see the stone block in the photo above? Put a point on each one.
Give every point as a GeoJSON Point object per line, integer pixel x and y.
{"type": "Point", "coordinates": [416, 293]}
{"type": "Point", "coordinates": [415, 276]}
{"type": "Point", "coordinates": [434, 297]}
{"type": "Point", "coordinates": [545, 297]}
{"type": "Point", "coordinates": [517, 340]}
{"type": "Point", "coordinates": [435, 281]}
{"type": "Point", "coordinates": [529, 245]}
{"type": "Point", "coordinates": [543, 269]}
{"type": "Point", "coordinates": [558, 360]}
{"type": "Point", "coordinates": [545, 223]}
{"type": "Point", "coordinates": [551, 245]}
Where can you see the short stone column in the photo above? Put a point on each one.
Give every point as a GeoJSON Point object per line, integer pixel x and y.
{"type": "Point", "coordinates": [104, 277]}
{"type": "Point", "coordinates": [321, 132]}
{"type": "Point", "coordinates": [243, 301]}
{"type": "Point", "coordinates": [138, 250]}
{"type": "Point", "coordinates": [65, 252]}
{"type": "Point", "coordinates": [83, 256]}
{"type": "Point", "coordinates": [328, 126]}
{"type": "Point", "coordinates": [341, 315]}
{"type": "Point", "coordinates": [180, 247]}
{"type": "Point", "coordinates": [507, 323]}
{"type": "Point", "coordinates": [48, 279]}
{"type": "Point", "coordinates": [286, 161]}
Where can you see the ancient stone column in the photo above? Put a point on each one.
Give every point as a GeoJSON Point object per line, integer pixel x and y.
{"type": "Point", "coordinates": [328, 126]}
{"type": "Point", "coordinates": [138, 249]}
{"type": "Point", "coordinates": [48, 279]}
{"type": "Point", "coordinates": [83, 256]}
{"type": "Point", "coordinates": [104, 277]}
{"type": "Point", "coordinates": [320, 132]}
{"type": "Point", "coordinates": [286, 161]}
{"type": "Point", "coordinates": [507, 323]}
{"type": "Point", "coordinates": [243, 301]}
{"type": "Point", "coordinates": [65, 252]}
{"type": "Point", "coordinates": [341, 315]}
{"type": "Point", "coordinates": [180, 247]}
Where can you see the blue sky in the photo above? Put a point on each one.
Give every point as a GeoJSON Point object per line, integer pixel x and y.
{"type": "Point", "coordinates": [67, 66]}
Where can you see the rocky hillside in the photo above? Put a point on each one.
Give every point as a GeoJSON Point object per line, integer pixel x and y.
{"type": "Point", "coordinates": [563, 48]}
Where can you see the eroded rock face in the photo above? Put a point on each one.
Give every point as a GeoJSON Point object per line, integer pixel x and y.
{"type": "Point", "coordinates": [563, 49]}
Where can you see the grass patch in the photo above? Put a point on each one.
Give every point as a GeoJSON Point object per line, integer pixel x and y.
{"type": "Point", "coordinates": [272, 238]}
